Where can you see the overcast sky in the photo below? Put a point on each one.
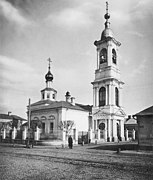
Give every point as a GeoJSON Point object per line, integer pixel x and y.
{"type": "Point", "coordinates": [31, 31]}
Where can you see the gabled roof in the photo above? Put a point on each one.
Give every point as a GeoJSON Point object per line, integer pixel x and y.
{"type": "Point", "coordinates": [48, 104]}
{"type": "Point", "coordinates": [145, 112]}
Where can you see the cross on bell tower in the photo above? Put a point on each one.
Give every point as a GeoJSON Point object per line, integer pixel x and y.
{"type": "Point", "coordinates": [107, 86]}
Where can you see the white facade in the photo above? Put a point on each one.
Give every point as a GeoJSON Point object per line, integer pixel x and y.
{"type": "Point", "coordinates": [54, 118]}
{"type": "Point", "coordinates": [51, 119]}
{"type": "Point", "coordinates": [108, 114]}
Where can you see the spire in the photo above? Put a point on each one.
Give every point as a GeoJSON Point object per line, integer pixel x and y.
{"type": "Point", "coordinates": [107, 16]}
{"type": "Point", "coordinates": [107, 32]}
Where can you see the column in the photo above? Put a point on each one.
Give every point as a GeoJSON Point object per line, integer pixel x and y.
{"type": "Point", "coordinates": [36, 134]}
{"type": "Point", "coordinates": [96, 124]}
{"type": "Point", "coordinates": [133, 134]}
{"type": "Point", "coordinates": [97, 96]}
{"type": "Point", "coordinates": [120, 96]}
{"type": "Point", "coordinates": [113, 94]}
{"type": "Point", "coordinates": [115, 139]}
{"type": "Point", "coordinates": [90, 134]}
{"type": "Point", "coordinates": [110, 94]}
{"type": "Point", "coordinates": [97, 58]}
{"type": "Point", "coordinates": [106, 94]}
{"type": "Point", "coordinates": [24, 134]}
{"type": "Point", "coordinates": [94, 97]}
{"type": "Point", "coordinates": [106, 135]}
{"type": "Point", "coordinates": [109, 54]}
{"type": "Point", "coordinates": [122, 130]}
{"type": "Point", "coordinates": [14, 133]}
{"type": "Point", "coordinates": [126, 133]}
{"type": "Point", "coordinates": [109, 130]}
{"type": "Point", "coordinates": [4, 134]}
{"type": "Point", "coordinates": [98, 134]}
{"type": "Point", "coordinates": [63, 135]}
{"type": "Point", "coordinates": [76, 136]}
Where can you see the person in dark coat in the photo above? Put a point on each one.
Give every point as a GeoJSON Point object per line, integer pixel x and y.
{"type": "Point", "coordinates": [70, 142]}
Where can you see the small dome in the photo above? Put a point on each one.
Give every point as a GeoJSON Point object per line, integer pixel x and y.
{"type": "Point", "coordinates": [49, 76]}
{"type": "Point", "coordinates": [67, 93]}
{"type": "Point", "coordinates": [107, 32]}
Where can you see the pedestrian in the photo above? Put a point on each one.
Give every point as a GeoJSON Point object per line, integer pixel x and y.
{"type": "Point", "coordinates": [70, 142]}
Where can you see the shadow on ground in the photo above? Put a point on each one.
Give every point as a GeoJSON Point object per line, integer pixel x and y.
{"type": "Point", "coordinates": [115, 147]}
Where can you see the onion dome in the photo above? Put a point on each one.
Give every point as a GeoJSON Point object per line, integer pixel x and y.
{"type": "Point", "coordinates": [49, 75]}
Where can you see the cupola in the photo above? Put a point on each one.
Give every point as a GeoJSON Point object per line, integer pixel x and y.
{"type": "Point", "coordinates": [107, 32]}
{"type": "Point", "coordinates": [49, 75]}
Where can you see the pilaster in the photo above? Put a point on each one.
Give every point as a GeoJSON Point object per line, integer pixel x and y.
{"type": "Point", "coordinates": [133, 134]}
{"type": "Point", "coordinates": [98, 134]}
{"type": "Point", "coordinates": [126, 134]}
{"type": "Point", "coordinates": [97, 96]}
{"type": "Point", "coordinates": [109, 137]}
{"type": "Point", "coordinates": [122, 130]}
{"type": "Point", "coordinates": [115, 139]}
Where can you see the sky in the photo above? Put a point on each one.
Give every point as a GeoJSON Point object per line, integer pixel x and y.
{"type": "Point", "coordinates": [31, 31]}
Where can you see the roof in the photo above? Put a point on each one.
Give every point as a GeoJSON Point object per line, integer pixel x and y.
{"type": "Point", "coordinates": [48, 104]}
{"type": "Point", "coordinates": [49, 89]}
{"type": "Point", "coordinates": [18, 118]}
{"type": "Point", "coordinates": [131, 121]}
{"type": "Point", "coordinates": [85, 107]}
{"type": "Point", "coordinates": [42, 102]}
{"type": "Point", "coordinates": [145, 112]}
{"type": "Point", "coordinates": [5, 116]}
{"type": "Point", "coordinates": [11, 117]}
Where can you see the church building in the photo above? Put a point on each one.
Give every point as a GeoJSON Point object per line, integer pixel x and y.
{"type": "Point", "coordinates": [56, 120]}
{"type": "Point", "coordinates": [104, 121]}
{"type": "Point", "coordinates": [108, 114]}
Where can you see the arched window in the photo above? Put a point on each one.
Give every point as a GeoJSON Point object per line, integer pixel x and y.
{"type": "Point", "coordinates": [103, 56]}
{"type": "Point", "coordinates": [114, 57]}
{"type": "Point", "coordinates": [117, 96]}
{"type": "Point", "coordinates": [102, 96]}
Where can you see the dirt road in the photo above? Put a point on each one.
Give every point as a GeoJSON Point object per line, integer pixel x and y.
{"type": "Point", "coordinates": [79, 163]}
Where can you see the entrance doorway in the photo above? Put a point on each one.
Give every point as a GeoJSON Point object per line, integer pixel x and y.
{"type": "Point", "coordinates": [118, 131]}
{"type": "Point", "coordinates": [102, 130]}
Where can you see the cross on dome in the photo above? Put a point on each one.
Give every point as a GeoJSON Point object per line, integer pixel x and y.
{"type": "Point", "coordinates": [49, 60]}
{"type": "Point", "coordinates": [106, 7]}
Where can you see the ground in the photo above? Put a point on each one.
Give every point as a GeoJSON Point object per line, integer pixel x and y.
{"type": "Point", "coordinates": [81, 162]}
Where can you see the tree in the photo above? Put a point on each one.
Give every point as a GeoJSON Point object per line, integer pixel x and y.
{"type": "Point", "coordinates": [35, 123]}
{"type": "Point", "coordinates": [66, 126]}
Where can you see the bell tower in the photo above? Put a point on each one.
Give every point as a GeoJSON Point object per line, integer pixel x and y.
{"type": "Point", "coordinates": [108, 115]}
